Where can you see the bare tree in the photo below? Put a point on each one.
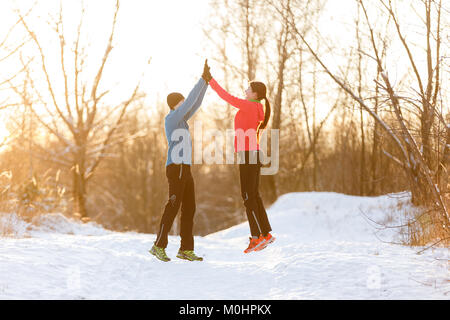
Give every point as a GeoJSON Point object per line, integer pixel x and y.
{"type": "Point", "coordinates": [8, 51]}
{"type": "Point", "coordinates": [413, 159]}
{"type": "Point", "coordinates": [84, 129]}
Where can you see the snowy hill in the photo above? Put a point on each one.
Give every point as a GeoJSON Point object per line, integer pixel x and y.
{"type": "Point", "coordinates": [327, 247]}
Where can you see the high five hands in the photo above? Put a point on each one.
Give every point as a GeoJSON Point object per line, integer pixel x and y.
{"type": "Point", "coordinates": [206, 73]}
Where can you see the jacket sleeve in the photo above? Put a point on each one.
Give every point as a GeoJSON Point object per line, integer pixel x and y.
{"type": "Point", "coordinates": [197, 103]}
{"type": "Point", "coordinates": [179, 114]}
{"type": "Point", "coordinates": [235, 102]}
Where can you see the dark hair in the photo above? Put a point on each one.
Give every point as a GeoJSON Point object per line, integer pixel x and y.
{"type": "Point", "coordinates": [261, 91]}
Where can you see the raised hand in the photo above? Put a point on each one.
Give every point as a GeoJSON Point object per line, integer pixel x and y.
{"type": "Point", "coordinates": [206, 73]}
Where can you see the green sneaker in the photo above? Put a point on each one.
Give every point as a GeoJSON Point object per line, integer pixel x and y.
{"type": "Point", "coordinates": [160, 253]}
{"type": "Point", "coordinates": [188, 255]}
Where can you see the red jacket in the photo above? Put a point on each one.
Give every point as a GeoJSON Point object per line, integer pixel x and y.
{"type": "Point", "coordinates": [246, 120]}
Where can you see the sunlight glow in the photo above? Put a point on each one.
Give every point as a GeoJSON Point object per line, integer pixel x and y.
{"type": "Point", "coordinates": [4, 134]}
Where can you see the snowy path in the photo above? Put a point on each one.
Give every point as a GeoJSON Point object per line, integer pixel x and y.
{"type": "Point", "coordinates": [325, 249]}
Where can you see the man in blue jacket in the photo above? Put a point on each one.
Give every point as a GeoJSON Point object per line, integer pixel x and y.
{"type": "Point", "coordinates": [178, 171]}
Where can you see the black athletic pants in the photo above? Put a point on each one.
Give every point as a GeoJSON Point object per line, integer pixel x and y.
{"type": "Point", "coordinates": [181, 192]}
{"type": "Point", "coordinates": [256, 213]}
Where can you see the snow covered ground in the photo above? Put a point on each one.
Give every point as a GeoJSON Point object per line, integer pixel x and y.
{"type": "Point", "coordinates": [326, 248]}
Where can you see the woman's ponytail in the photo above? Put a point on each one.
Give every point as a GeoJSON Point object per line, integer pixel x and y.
{"type": "Point", "coordinates": [267, 112]}
{"type": "Point", "coordinates": [261, 91]}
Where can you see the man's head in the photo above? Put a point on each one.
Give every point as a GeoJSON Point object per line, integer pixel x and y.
{"type": "Point", "coordinates": [174, 100]}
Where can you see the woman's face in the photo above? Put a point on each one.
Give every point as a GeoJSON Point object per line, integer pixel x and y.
{"type": "Point", "coordinates": [249, 94]}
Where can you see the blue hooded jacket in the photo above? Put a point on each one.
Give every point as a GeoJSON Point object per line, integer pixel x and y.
{"type": "Point", "coordinates": [177, 128]}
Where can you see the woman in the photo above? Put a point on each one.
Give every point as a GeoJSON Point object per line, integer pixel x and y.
{"type": "Point", "coordinates": [249, 121]}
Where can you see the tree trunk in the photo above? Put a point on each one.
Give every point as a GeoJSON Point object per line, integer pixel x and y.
{"type": "Point", "coordinates": [80, 181]}
{"type": "Point", "coordinates": [79, 194]}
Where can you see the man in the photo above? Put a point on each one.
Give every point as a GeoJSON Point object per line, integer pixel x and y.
{"type": "Point", "coordinates": [178, 171]}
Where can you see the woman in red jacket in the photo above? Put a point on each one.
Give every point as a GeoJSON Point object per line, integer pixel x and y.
{"type": "Point", "coordinates": [249, 121]}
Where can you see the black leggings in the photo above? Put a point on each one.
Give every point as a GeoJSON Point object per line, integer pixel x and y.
{"type": "Point", "coordinates": [256, 213]}
{"type": "Point", "coordinates": [181, 192]}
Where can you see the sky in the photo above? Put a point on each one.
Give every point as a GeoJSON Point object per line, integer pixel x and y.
{"type": "Point", "coordinates": [168, 32]}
